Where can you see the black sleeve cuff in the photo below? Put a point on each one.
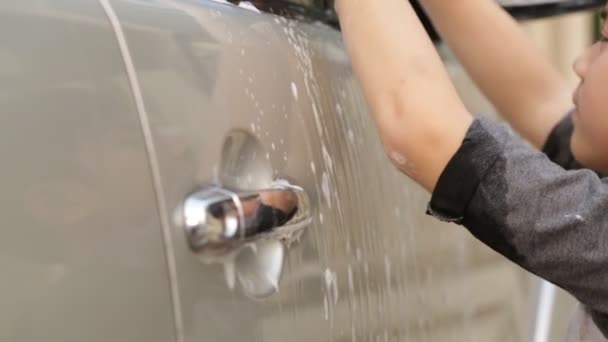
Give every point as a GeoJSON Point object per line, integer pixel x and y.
{"type": "Point", "coordinates": [463, 173]}
{"type": "Point", "coordinates": [557, 146]}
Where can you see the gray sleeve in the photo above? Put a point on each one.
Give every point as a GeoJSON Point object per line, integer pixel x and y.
{"type": "Point", "coordinates": [550, 221]}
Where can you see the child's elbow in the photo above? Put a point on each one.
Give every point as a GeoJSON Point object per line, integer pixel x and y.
{"type": "Point", "coordinates": [410, 153]}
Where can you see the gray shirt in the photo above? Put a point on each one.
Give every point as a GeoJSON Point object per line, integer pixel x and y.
{"type": "Point", "coordinates": [541, 210]}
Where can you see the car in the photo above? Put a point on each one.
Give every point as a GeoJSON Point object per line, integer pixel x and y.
{"type": "Point", "coordinates": [198, 171]}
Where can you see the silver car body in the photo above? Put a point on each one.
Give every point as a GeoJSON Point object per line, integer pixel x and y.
{"type": "Point", "coordinates": [115, 110]}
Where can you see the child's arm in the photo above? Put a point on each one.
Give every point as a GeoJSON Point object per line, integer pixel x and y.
{"type": "Point", "coordinates": [503, 61]}
{"type": "Point", "coordinates": [550, 221]}
{"type": "Point", "coordinates": [420, 118]}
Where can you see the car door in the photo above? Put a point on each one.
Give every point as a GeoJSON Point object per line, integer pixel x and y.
{"type": "Point", "coordinates": [81, 253]}
{"type": "Point", "coordinates": [238, 102]}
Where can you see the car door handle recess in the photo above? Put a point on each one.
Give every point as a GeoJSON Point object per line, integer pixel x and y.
{"type": "Point", "coordinates": [219, 221]}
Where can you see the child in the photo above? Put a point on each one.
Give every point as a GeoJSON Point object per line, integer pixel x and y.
{"type": "Point", "coordinates": [547, 212]}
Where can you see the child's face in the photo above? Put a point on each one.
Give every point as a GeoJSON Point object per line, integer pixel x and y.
{"type": "Point", "coordinates": [590, 139]}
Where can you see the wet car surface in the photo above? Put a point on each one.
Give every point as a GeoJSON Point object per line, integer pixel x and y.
{"type": "Point", "coordinates": [117, 111]}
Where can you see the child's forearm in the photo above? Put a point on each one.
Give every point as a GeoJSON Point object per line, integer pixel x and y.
{"type": "Point", "coordinates": [505, 63]}
{"type": "Point", "coordinates": [420, 118]}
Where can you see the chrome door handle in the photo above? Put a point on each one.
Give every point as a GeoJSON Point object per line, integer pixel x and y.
{"type": "Point", "coordinates": [219, 221]}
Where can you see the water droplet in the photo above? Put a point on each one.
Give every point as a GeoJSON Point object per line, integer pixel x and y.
{"type": "Point", "coordinates": [387, 270]}
{"type": "Point", "coordinates": [315, 111]}
{"type": "Point", "coordinates": [327, 159]}
{"type": "Point", "coordinates": [326, 308]}
{"type": "Point", "coordinates": [331, 285]}
{"type": "Point", "coordinates": [325, 188]}
{"type": "Point", "coordinates": [351, 136]}
{"type": "Point", "coordinates": [294, 90]}
{"type": "Point", "coordinates": [351, 280]}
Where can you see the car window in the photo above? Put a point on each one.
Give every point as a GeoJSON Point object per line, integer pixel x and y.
{"type": "Point", "coordinates": [322, 10]}
{"type": "Point", "coordinates": [529, 9]}
{"type": "Point", "coordinates": [306, 10]}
